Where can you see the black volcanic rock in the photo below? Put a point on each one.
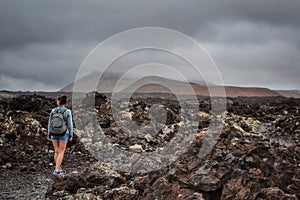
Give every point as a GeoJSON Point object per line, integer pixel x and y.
{"type": "Point", "coordinates": [256, 156]}
{"type": "Point", "coordinates": [31, 103]}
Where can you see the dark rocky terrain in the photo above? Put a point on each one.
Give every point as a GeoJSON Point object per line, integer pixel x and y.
{"type": "Point", "coordinates": [256, 157]}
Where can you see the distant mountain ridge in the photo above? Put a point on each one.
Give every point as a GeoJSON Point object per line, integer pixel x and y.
{"type": "Point", "coordinates": [110, 82]}
{"type": "Point", "coordinates": [289, 93]}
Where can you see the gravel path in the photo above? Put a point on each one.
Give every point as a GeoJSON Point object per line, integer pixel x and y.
{"type": "Point", "coordinates": [29, 186]}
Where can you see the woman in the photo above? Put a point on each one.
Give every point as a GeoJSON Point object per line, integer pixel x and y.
{"type": "Point", "coordinates": [60, 142]}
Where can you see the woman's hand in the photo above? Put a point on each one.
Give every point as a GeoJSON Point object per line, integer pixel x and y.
{"type": "Point", "coordinates": [49, 137]}
{"type": "Point", "coordinates": [70, 139]}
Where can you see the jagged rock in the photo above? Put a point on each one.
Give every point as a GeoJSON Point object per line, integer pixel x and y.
{"type": "Point", "coordinates": [163, 189]}
{"type": "Point", "coordinates": [82, 196]}
{"type": "Point", "coordinates": [294, 187]}
{"type": "Point", "coordinates": [136, 148]}
{"type": "Point", "coordinates": [95, 175]}
{"type": "Point", "coordinates": [70, 183]}
{"type": "Point", "coordinates": [234, 189]}
{"type": "Point", "coordinates": [203, 179]}
{"type": "Point", "coordinates": [94, 97]}
{"type": "Point", "coordinates": [31, 103]}
{"type": "Point", "coordinates": [8, 165]}
{"type": "Point", "coordinates": [297, 153]}
{"type": "Point", "coordinates": [204, 116]}
{"type": "Point", "coordinates": [121, 193]}
{"type": "Point", "coordinates": [95, 178]}
{"type": "Point", "coordinates": [149, 138]}
{"type": "Point", "coordinates": [273, 193]}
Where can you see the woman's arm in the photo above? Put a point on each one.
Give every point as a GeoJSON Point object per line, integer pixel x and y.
{"type": "Point", "coordinates": [70, 123]}
{"type": "Point", "coordinates": [49, 122]}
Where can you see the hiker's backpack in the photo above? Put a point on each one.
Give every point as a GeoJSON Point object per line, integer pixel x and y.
{"type": "Point", "coordinates": [58, 125]}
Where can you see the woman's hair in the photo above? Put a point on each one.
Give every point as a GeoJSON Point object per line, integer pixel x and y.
{"type": "Point", "coordinates": [62, 99]}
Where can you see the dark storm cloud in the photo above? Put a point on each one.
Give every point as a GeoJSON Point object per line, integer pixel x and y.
{"type": "Point", "coordinates": [42, 43]}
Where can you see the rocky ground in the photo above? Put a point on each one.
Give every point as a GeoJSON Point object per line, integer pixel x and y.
{"type": "Point", "coordinates": [256, 157]}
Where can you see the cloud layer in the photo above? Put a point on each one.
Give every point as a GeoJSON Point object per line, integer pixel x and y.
{"type": "Point", "coordinates": [254, 43]}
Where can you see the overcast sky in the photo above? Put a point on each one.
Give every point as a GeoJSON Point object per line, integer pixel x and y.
{"type": "Point", "coordinates": [253, 42]}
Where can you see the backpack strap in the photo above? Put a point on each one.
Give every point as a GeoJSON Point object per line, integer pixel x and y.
{"type": "Point", "coordinates": [62, 112]}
